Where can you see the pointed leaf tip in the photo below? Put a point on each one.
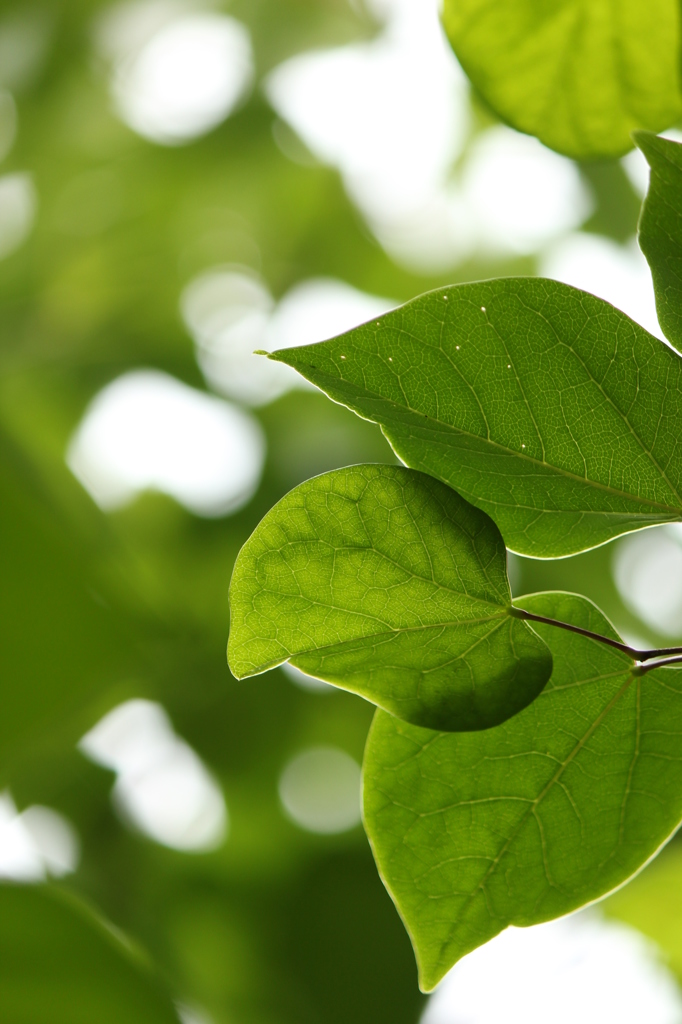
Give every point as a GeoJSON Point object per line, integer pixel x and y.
{"type": "Point", "coordinates": [543, 405]}
{"type": "Point", "coordinates": [535, 818]}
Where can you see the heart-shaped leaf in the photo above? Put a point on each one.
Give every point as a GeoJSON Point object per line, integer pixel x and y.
{"type": "Point", "coordinates": [544, 406]}
{"type": "Point", "coordinates": [580, 76]}
{"type": "Point", "coordinates": [536, 817]}
{"type": "Point", "coordinates": [387, 583]}
{"type": "Point", "coordinates": [660, 229]}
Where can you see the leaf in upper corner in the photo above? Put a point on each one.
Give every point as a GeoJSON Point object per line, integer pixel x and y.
{"type": "Point", "coordinates": [578, 75]}
{"type": "Point", "coordinates": [543, 405]}
{"type": "Point", "coordinates": [536, 817]}
{"type": "Point", "coordinates": [60, 963]}
{"type": "Point", "coordinates": [660, 229]}
{"type": "Point", "coordinates": [385, 582]}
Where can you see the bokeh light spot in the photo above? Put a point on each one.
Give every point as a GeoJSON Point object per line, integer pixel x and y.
{"type": "Point", "coordinates": [230, 313]}
{"type": "Point", "coordinates": [647, 570]}
{"type": "Point", "coordinates": [390, 114]}
{"type": "Point", "coordinates": [520, 194]}
{"type": "Point", "coordinates": [17, 211]}
{"type": "Point", "coordinates": [393, 116]}
{"type": "Point", "coordinates": [618, 273]}
{"type": "Point", "coordinates": [147, 430]}
{"type": "Point", "coordinates": [576, 969]}
{"type": "Point", "coordinates": [36, 843]}
{"type": "Point", "coordinates": [162, 786]}
{"type": "Point", "coordinates": [320, 790]}
{"type": "Point", "coordinates": [311, 684]}
{"type": "Point", "coordinates": [184, 80]}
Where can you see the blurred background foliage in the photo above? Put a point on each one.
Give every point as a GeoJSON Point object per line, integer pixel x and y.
{"type": "Point", "coordinates": [264, 911]}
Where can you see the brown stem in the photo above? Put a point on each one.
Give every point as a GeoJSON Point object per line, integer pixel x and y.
{"type": "Point", "coordinates": [521, 613]}
{"type": "Point", "coordinates": [643, 669]}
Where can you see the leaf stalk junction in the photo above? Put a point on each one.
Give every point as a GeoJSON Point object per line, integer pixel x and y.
{"type": "Point", "coordinates": [663, 655]}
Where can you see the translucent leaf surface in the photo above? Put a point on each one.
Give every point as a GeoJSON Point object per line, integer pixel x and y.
{"type": "Point", "coordinates": [387, 583]}
{"type": "Point", "coordinates": [536, 817]}
{"type": "Point", "coordinates": [59, 963]}
{"type": "Point", "coordinates": [544, 406]}
{"type": "Point", "coordinates": [660, 229]}
{"type": "Point", "coordinates": [578, 74]}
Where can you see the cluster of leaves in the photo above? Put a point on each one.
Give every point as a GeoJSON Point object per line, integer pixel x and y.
{"type": "Point", "coordinates": [512, 774]}
{"type": "Point", "coordinates": [277, 925]}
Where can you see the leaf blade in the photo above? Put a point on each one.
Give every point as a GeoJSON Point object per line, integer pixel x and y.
{"type": "Point", "coordinates": [544, 406]}
{"type": "Point", "coordinates": [536, 817]}
{"type": "Point", "coordinates": [660, 229]}
{"type": "Point", "coordinates": [579, 76]}
{"type": "Point", "coordinates": [385, 582]}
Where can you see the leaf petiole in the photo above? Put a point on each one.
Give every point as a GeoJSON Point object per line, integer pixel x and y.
{"type": "Point", "coordinates": [643, 669]}
{"type": "Point", "coordinates": [521, 613]}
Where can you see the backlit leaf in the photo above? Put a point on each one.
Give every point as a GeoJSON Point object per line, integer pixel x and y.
{"type": "Point", "coordinates": [660, 229]}
{"type": "Point", "coordinates": [544, 406]}
{"type": "Point", "coordinates": [578, 75]}
{"type": "Point", "coordinates": [536, 817]}
{"type": "Point", "coordinates": [387, 583]}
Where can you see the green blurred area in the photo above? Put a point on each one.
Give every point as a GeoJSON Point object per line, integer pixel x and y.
{"type": "Point", "coordinates": [277, 926]}
{"type": "Point", "coordinates": [60, 962]}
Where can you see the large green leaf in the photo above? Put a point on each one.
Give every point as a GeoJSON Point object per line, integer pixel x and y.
{"type": "Point", "coordinates": [386, 583]}
{"type": "Point", "coordinates": [660, 229]}
{"type": "Point", "coordinates": [578, 74]}
{"type": "Point", "coordinates": [536, 817]}
{"type": "Point", "coordinates": [543, 405]}
{"type": "Point", "coordinates": [60, 964]}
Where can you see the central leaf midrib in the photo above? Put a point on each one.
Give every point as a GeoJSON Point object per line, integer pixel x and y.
{"type": "Point", "coordinates": [589, 481]}
{"type": "Point", "coordinates": [388, 632]}
{"type": "Point", "coordinates": [410, 572]}
{"type": "Point", "coordinates": [510, 451]}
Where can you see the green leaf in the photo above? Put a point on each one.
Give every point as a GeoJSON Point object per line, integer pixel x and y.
{"type": "Point", "coordinates": [579, 75]}
{"type": "Point", "coordinates": [660, 229]}
{"type": "Point", "coordinates": [386, 583]}
{"type": "Point", "coordinates": [544, 406]}
{"type": "Point", "coordinates": [60, 963]}
{"type": "Point", "coordinates": [536, 817]}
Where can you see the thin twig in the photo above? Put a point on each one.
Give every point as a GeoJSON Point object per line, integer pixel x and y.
{"type": "Point", "coordinates": [521, 613]}
{"type": "Point", "coordinates": [643, 669]}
